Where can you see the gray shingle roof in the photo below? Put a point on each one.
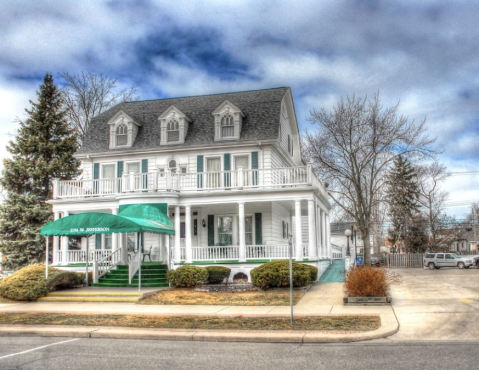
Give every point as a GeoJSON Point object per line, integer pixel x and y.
{"type": "Point", "coordinates": [261, 108]}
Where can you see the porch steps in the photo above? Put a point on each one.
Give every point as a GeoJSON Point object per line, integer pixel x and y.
{"type": "Point", "coordinates": [334, 273]}
{"type": "Point", "coordinates": [153, 274]}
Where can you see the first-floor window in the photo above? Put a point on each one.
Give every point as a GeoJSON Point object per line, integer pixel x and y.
{"type": "Point", "coordinates": [248, 230]}
{"type": "Point", "coordinates": [107, 241]}
{"type": "Point", "coordinates": [225, 230]}
{"type": "Point", "coordinates": [131, 242]}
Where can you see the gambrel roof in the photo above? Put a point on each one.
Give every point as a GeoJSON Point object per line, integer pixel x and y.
{"type": "Point", "coordinates": [261, 108]}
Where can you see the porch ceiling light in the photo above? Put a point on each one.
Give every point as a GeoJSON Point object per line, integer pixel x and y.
{"type": "Point", "coordinates": [204, 223]}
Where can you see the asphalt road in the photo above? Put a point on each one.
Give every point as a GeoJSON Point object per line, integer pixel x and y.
{"type": "Point", "coordinates": [67, 353]}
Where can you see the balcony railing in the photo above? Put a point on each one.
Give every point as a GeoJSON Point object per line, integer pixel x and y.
{"type": "Point", "coordinates": [187, 182]}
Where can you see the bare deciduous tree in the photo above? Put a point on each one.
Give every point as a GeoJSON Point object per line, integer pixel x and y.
{"type": "Point", "coordinates": [86, 95]}
{"type": "Point", "coordinates": [431, 197]}
{"type": "Point", "coordinates": [352, 149]}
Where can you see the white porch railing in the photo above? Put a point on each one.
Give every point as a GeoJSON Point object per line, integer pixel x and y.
{"type": "Point", "coordinates": [188, 182]}
{"type": "Point", "coordinates": [215, 253]}
{"type": "Point", "coordinates": [338, 252]}
{"type": "Point", "coordinates": [133, 266]}
{"type": "Point", "coordinates": [104, 265]}
{"type": "Point", "coordinates": [80, 256]}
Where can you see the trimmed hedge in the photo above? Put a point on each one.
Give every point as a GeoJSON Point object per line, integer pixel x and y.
{"type": "Point", "coordinates": [187, 276]}
{"type": "Point", "coordinates": [276, 274]}
{"type": "Point", "coordinates": [29, 283]}
{"type": "Point", "coordinates": [216, 274]}
{"type": "Point", "coordinates": [314, 272]}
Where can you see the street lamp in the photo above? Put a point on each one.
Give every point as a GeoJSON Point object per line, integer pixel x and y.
{"type": "Point", "coordinates": [347, 234]}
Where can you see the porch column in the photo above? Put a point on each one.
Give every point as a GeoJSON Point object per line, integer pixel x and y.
{"type": "Point", "coordinates": [177, 234]}
{"type": "Point", "coordinates": [56, 242]}
{"type": "Point", "coordinates": [188, 230]}
{"type": "Point", "coordinates": [328, 237]}
{"type": "Point", "coordinates": [312, 230]}
{"type": "Point", "coordinates": [242, 247]}
{"type": "Point", "coordinates": [323, 234]}
{"type": "Point", "coordinates": [124, 248]}
{"type": "Point", "coordinates": [318, 230]}
{"type": "Point", "coordinates": [298, 230]}
{"type": "Point", "coordinates": [161, 248]}
{"type": "Point", "coordinates": [114, 236]}
{"type": "Point", "coordinates": [65, 245]}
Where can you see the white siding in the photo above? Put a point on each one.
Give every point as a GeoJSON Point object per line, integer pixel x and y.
{"type": "Point", "coordinates": [276, 160]}
{"type": "Point", "coordinates": [279, 214]}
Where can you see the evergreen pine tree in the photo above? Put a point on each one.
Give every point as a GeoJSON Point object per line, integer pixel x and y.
{"type": "Point", "coordinates": [402, 193]}
{"type": "Point", "coordinates": [42, 150]}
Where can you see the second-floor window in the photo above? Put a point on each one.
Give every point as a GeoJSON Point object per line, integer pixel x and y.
{"type": "Point", "coordinates": [227, 126]}
{"type": "Point", "coordinates": [172, 131]}
{"type": "Point", "coordinates": [121, 135]}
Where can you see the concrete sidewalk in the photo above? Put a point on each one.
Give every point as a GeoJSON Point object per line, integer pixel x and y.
{"type": "Point", "coordinates": [321, 299]}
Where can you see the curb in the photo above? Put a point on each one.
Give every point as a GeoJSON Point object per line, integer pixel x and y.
{"type": "Point", "coordinates": [389, 326]}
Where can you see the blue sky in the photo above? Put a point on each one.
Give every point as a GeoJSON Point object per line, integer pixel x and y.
{"type": "Point", "coordinates": [423, 54]}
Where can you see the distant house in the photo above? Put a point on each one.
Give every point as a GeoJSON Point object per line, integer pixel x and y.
{"type": "Point", "coordinates": [227, 170]}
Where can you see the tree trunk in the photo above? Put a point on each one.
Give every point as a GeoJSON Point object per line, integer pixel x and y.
{"type": "Point", "coordinates": [367, 246]}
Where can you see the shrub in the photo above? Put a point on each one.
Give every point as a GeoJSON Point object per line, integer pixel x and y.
{"type": "Point", "coordinates": [369, 281]}
{"type": "Point", "coordinates": [216, 274]}
{"type": "Point", "coordinates": [64, 280]}
{"type": "Point", "coordinates": [187, 276]}
{"type": "Point", "coordinates": [82, 277]}
{"type": "Point", "coordinates": [314, 272]}
{"type": "Point", "coordinates": [27, 284]}
{"type": "Point", "coordinates": [276, 274]}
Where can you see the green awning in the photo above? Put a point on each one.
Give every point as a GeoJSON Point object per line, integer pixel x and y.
{"type": "Point", "coordinates": [157, 212]}
{"type": "Point", "coordinates": [89, 223]}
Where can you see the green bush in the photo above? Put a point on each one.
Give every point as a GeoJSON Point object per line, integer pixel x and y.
{"type": "Point", "coordinates": [63, 280]}
{"type": "Point", "coordinates": [314, 272]}
{"type": "Point", "coordinates": [27, 284]}
{"type": "Point", "coordinates": [82, 277]}
{"type": "Point", "coordinates": [216, 274]}
{"type": "Point", "coordinates": [276, 274]}
{"type": "Point", "coordinates": [187, 276]}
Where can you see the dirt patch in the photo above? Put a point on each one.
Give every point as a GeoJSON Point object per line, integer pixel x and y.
{"type": "Point", "coordinates": [237, 322]}
{"type": "Point", "coordinates": [272, 297]}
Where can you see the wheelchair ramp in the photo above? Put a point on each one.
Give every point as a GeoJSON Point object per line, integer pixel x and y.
{"type": "Point", "coordinates": [334, 273]}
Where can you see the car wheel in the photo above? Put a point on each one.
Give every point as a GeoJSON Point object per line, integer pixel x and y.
{"type": "Point", "coordinates": [460, 265]}
{"type": "Point", "coordinates": [431, 266]}
{"type": "Point", "coordinates": [477, 265]}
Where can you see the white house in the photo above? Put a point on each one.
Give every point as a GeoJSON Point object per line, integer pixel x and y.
{"type": "Point", "coordinates": [228, 169]}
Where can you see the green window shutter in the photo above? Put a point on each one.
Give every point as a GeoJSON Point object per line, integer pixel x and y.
{"type": "Point", "coordinates": [211, 230]}
{"type": "Point", "coordinates": [199, 169]}
{"type": "Point", "coordinates": [96, 171]}
{"type": "Point", "coordinates": [144, 165]}
{"type": "Point", "coordinates": [258, 224]}
{"type": "Point", "coordinates": [96, 176]}
{"type": "Point", "coordinates": [97, 241]}
{"type": "Point", "coordinates": [144, 169]}
{"type": "Point", "coordinates": [119, 174]}
{"type": "Point", "coordinates": [254, 166]}
{"type": "Point", "coordinates": [227, 167]}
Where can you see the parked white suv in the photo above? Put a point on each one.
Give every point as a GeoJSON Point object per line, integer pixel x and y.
{"type": "Point", "coordinates": [438, 260]}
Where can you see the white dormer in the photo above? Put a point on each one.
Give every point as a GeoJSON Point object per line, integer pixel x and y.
{"type": "Point", "coordinates": [228, 121]}
{"type": "Point", "coordinates": [173, 125]}
{"type": "Point", "coordinates": [123, 130]}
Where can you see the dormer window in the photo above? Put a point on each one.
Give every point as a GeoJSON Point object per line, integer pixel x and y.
{"type": "Point", "coordinates": [123, 130]}
{"type": "Point", "coordinates": [227, 126]}
{"type": "Point", "coordinates": [228, 121]}
{"type": "Point", "coordinates": [174, 126]}
{"type": "Point", "coordinates": [121, 135]}
{"type": "Point", "coordinates": [173, 131]}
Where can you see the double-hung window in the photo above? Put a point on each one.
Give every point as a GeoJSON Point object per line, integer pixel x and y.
{"type": "Point", "coordinates": [173, 131]}
{"type": "Point", "coordinates": [121, 135]}
{"type": "Point", "coordinates": [225, 230]}
{"type": "Point", "coordinates": [227, 126]}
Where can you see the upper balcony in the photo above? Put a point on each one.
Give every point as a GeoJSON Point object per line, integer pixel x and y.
{"type": "Point", "coordinates": [241, 179]}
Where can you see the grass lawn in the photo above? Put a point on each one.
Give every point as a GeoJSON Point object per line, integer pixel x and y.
{"type": "Point", "coordinates": [238, 322]}
{"type": "Point", "coordinates": [272, 297]}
